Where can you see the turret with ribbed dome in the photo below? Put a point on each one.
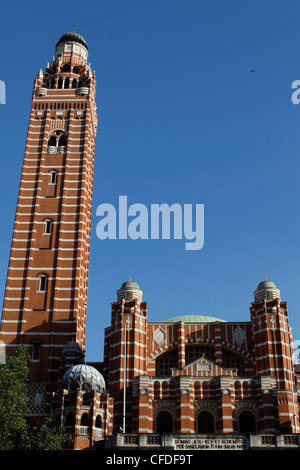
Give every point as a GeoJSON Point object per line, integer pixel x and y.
{"type": "Point", "coordinates": [130, 290]}
{"type": "Point", "coordinates": [266, 290]}
{"type": "Point", "coordinates": [83, 377]}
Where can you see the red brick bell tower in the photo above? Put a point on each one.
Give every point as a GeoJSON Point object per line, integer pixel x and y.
{"type": "Point", "coordinates": [46, 290]}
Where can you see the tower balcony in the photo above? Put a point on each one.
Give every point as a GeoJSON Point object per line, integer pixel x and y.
{"type": "Point", "coordinates": [82, 91]}
{"type": "Point", "coordinates": [53, 149]}
{"type": "Point", "coordinates": [41, 91]}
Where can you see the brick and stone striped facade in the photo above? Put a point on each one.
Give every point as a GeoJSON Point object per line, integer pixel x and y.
{"type": "Point", "coordinates": [46, 290]}
{"type": "Point", "coordinates": [233, 374]}
{"type": "Point", "coordinates": [186, 375]}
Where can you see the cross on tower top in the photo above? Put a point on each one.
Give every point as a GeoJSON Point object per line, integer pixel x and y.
{"type": "Point", "coordinates": [74, 26]}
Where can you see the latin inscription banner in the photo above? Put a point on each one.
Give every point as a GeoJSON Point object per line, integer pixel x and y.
{"type": "Point", "coordinates": [209, 444]}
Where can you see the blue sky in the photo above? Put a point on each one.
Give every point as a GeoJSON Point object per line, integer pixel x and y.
{"type": "Point", "coordinates": [194, 107]}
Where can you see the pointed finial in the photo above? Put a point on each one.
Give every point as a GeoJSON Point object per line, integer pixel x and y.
{"type": "Point", "coordinates": [74, 26]}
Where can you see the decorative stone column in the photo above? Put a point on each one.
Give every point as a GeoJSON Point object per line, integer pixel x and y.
{"type": "Point", "coordinates": [226, 404]}
{"type": "Point", "coordinates": [186, 408]}
{"type": "Point", "coordinates": [143, 411]}
{"type": "Point", "coordinates": [181, 345]}
{"type": "Point", "coordinates": [267, 403]}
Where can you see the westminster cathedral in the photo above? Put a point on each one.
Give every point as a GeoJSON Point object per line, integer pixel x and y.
{"type": "Point", "coordinates": [187, 382]}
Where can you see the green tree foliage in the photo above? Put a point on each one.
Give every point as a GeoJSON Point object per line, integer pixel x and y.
{"type": "Point", "coordinates": [15, 432]}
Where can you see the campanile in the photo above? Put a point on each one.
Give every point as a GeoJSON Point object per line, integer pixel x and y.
{"type": "Point", "coordinates": [46, 290]}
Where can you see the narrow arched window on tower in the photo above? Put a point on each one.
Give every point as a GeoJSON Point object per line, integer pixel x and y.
{"type": "Point", "coordinates": [98, 423]}
{"type": "Point", "coordinates": [53, 177]}
{"type": "Point", "coordinates": [74, 83]}
{"type": "Point", "coordinates": [84, 419]}
{"type": "Point", "coordinates": [66, 84]}
{"type": "Point", "coordinates": [48, 227]}
{"type": "Point", "coordinates": [36, 351]}
{"type": "Point", "coordinates": [60, 82]}
{"type": "Point", "coordinates": [43, 283]}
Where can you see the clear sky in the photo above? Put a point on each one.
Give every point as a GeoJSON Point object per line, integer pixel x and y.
{"type": "Point", "coordinates": [194, 107]}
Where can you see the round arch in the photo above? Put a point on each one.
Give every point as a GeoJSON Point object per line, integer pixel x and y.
{"type": "Point", "coordinates": [205, 422]}
{"type": "Point", "coordinates": [164, 422]}
{"type": "Point", "coordinates": [247, 422]}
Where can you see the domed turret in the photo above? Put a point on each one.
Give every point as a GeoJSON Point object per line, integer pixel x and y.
{"type": "Point", "coordinates": [83, 377]}
{"type": "Point", "coordinates": [72, 350]}
{"type": "Point", "coordinates": [129, 291]}
{"type": "Point", "coordinates": [266, 290]}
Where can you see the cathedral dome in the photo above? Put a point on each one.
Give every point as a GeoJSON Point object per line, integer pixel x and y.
{"type": "Point", "coordinates": [130, 290]}
{"type": "Point", "coordinates": [266, 290]}
{"type": "Point", "coordinates": [83, 377]}
{"type": "Point", "coordinates": [194, 319]}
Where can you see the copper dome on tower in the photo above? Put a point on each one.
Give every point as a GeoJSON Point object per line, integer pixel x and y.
{"type": "Point", "coordinates": [72, 37]}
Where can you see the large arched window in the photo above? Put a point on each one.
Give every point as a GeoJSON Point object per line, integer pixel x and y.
{"type": "Point", "coordinates": [65, 68]}
{"type": "Point", "coordinates": [60, 83]}
{"type": "Point", "coordinates": [66, 84]}
{"type": "Point", "coordinates": [246, 422]}
{"type": "Point", "coordinates": [84, 419]}
{"type": "Point", "coordinates": [165, 362]}
{"type": "Point", "coordinates": [98, 423]}
{"type": "Point", "coordinates": [233, 360]}
{"type": "Point", "coordinates": [57, 143]}
{"type": "Point", "coordinates": [206, 422]}
{"type": "Point", "coordinates": [52, 141]}
{"type": "Point", "coordinates": [62, 142]}
{"type": "Point", "coordinates": [194, 352]}
{"type": "Point", "coordinates": [164, 422]}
